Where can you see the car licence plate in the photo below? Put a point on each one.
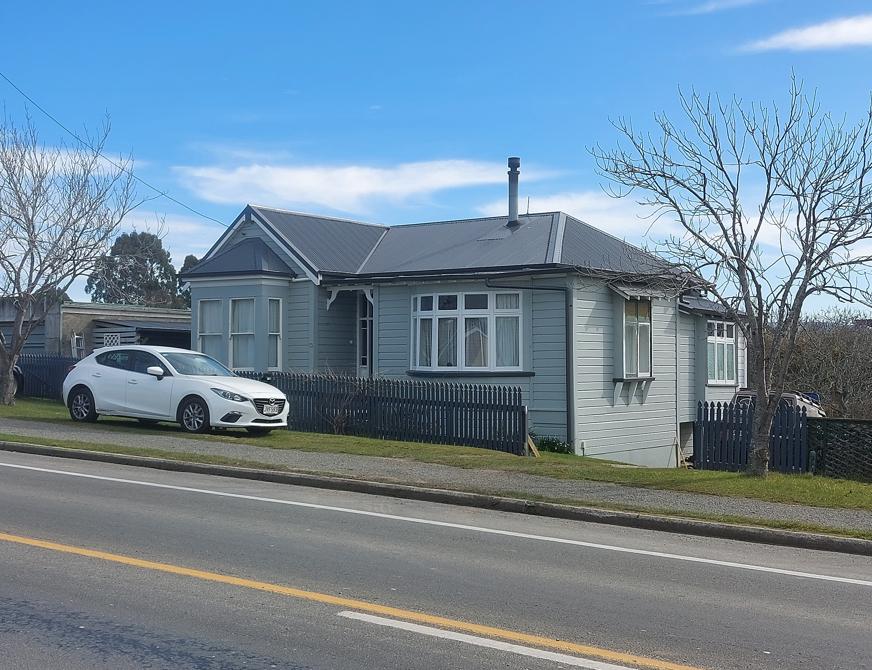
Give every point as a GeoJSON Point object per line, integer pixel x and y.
{"type": "Point", "coordinates": [271, 410]}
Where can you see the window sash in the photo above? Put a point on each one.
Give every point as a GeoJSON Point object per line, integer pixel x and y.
{"type": "Point", "coordinates": [475, 346]}
{"type": "Point", "coordinates": [446, 342]}
{"type": "Point", "coordinates": [242, 342]}
{"type": "Point", "coordinates": [240, 308]}
{"type": "Point", "coordinates": [448, 334]}
{"type": "Point", "coordinates": [242, 351]}
{"type": "Point", "coordinates": [638, 355]}
{"type": "Point", "coordinates": [209, 314]}
{"type": "Point", "coordinates": [274, 333]}
{"type": "Point", "coordinates": [275, 316]}
{"type": "Point", "coordinates": [721, 351]}
{"type": "Point", "coordinates": [507, 342]}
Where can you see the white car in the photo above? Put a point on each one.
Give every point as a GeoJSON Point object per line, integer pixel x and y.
{"type": "Point", "coordinates": [167, 384]}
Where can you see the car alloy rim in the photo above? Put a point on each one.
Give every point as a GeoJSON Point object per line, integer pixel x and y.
{"type": "Point", "coordinates": [81, 406]}
{"type": "Point", "coordinates": [193, 417]}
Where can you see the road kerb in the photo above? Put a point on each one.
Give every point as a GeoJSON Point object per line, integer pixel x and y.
{"type": "Point", "coordinates": [670, 524]}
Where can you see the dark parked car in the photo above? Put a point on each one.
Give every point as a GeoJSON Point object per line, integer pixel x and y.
{"type": "Point", "coordinates": [19, 378]}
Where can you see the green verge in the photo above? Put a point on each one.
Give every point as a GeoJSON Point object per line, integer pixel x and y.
{"type": "Point", "coordinates": [796, 489]}
{"type": "Point", "coordinates": [221, 460]}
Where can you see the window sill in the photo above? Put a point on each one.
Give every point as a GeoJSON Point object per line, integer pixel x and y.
{"type": "Point", "coordinates": [470, 373]}
{"type": "Point", "coordinates": [731, 385]}
{"type": "Point", "coordinates": [633, 379]}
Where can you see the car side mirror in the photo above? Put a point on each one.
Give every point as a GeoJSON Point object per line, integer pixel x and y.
{"type": "Point", "coordinates": [156, 371]}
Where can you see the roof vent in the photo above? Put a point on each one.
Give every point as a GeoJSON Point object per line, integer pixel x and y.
{"type": "Point", "coordinates": [514, 171]}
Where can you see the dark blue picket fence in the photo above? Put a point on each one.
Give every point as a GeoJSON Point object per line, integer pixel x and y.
{"type": "Point", "coordinates": [723, 433]}
{"type": "Point", "coordinates": [44, 375]}
{"type": "Point", "coordinates": [473, 415]}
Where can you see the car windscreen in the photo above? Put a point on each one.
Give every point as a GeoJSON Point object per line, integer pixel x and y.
{"type": "Point", "coordinates": [196, 364]}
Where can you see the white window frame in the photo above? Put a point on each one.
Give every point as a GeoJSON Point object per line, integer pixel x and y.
{"type": "Point", "coordinates": [200, 332]}
{"type": "Point", "coordinates": [722, 341]}
{"type": "Point", "coordinates": [270, 333]}
{"type": "Point", "coordinates": [638, 374]}
{"type": "Point", "coordinates": [461, 314]}
{"type": "Point", "coordinates": [231, 333]}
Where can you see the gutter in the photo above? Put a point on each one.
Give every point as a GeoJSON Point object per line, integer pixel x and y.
{"type": "Point", "coordinates": [568, 349]}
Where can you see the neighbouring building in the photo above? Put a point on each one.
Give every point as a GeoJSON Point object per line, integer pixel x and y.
{"type": "Point", "coordinates": [77, 328]}
{"type": "Point", "coordinates": [542, 301]}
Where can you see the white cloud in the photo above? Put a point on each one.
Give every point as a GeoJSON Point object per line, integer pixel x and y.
{"type": "Point", "coordinates": [622, 217]}
{"type": "Point", "coordinates": [713, 6]}
{"type": "Point", "coordinates": [347, 188]}
{"type": "Point", "coordinates": [836, 34]}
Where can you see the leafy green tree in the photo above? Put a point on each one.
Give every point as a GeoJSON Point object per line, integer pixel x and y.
{"type": "Point", "coordinates": [185, 293]}
{"type": "Point", "coordinates": [137, 271]}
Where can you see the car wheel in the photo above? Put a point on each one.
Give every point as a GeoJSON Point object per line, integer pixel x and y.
{"type": "Point", "coordinates": [148, 422]}
{"type": "Point", "coordinates": [259, 431]}
{"type": "Point", "coordinates": [82, 406]}
{"type": "Point", "coordinates": [194, 415]}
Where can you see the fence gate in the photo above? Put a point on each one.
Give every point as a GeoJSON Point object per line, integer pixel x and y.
{"type": "Point", "coordinates": [723, 431]}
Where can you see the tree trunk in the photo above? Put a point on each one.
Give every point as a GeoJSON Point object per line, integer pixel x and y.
{"type": "Point", "coordinates": [758, 459]}
{"type": "Point", "coordinates": [7, 384]}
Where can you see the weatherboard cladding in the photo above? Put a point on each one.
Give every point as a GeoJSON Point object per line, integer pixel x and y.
{"type": "Point", "coordinates": [178, 326]}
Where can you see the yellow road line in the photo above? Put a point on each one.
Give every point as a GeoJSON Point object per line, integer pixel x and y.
{"type": "Point", "coordinates": [360, 605]}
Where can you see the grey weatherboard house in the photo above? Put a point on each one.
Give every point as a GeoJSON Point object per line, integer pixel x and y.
{"type": "Point", "coordinates": [541, 301]}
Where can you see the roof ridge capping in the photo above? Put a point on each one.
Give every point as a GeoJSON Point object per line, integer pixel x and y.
{"type": "Point", "coordinates": [471, 219]}
{"type": "Point", "coordinates": [309, 215]}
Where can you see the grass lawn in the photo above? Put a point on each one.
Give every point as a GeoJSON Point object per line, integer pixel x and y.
{"type": "Point", "coordinates": [800, 489]}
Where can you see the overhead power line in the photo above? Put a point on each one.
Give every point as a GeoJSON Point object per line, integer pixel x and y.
{"type": "Point", "coordinates": [124, 169]}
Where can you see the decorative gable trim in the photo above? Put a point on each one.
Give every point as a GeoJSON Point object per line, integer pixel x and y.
{"type": "Point", "coordinates": [248, 214]}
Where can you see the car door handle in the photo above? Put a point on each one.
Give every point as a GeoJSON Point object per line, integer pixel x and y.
{"type": "Point", "coordinates": [96, 374]}
{"type": "Point", "coordinates": [132, 381]}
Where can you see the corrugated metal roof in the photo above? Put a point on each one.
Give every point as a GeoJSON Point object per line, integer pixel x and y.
{"type": "Point", "coordinates": [341, 246]}
{"type": "Point", "coordinates": [585, 246]}
{"type": "Point", "coordinates": [331, 245]}
{"type": "Point", "coordinates": [696, 303]}
{"type": "Point", "coordinates": [249, 256]}
{"type": "Point", "coordinates": [464, 244]}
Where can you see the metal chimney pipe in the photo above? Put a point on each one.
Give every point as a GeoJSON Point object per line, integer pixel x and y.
{"type": "Point", "coordinates": [514, 171]}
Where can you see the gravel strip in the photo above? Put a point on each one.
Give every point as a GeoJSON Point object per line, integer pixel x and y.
{"type": "Point", "coordinates": [443, 476]}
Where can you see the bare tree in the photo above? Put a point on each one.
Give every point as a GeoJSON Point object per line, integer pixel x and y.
{"type": "Point", "coordinates": [59, 207]}
{"type": "Point", "coordinates": [772, 206]}
{"type": "Point", "coordinates": [831, 356]}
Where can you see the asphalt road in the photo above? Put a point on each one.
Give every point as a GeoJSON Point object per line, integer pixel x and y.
{"type": "Point", "coordinates": [136, 575]}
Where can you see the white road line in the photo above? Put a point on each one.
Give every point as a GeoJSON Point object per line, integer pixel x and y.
{"type": "Point", "coordinates": [459, 526]}
{"type": "Point", "coordinates": [574, 661]}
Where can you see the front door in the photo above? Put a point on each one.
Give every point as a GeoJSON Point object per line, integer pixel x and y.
{"type": "Point", "coordinates": [364, 335]}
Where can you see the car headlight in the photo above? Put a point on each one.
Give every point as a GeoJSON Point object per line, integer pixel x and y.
{"type": "Point", "coordinates": [229, 395]}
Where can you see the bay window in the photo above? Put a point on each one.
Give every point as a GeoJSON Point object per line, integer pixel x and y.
{"type": "Point", "coordinates": [721, 352]}
{"type": "Point", "coordinates": [637, 338]}
{"type": "Point", "coordinates": [475, 331]}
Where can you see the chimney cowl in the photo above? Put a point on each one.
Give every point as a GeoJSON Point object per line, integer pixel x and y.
{"type": "Point", "coordinates": [514, 171]}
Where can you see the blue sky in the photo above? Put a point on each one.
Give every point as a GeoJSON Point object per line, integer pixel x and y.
{"type": "Point", "coordinates": [397, 112]}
